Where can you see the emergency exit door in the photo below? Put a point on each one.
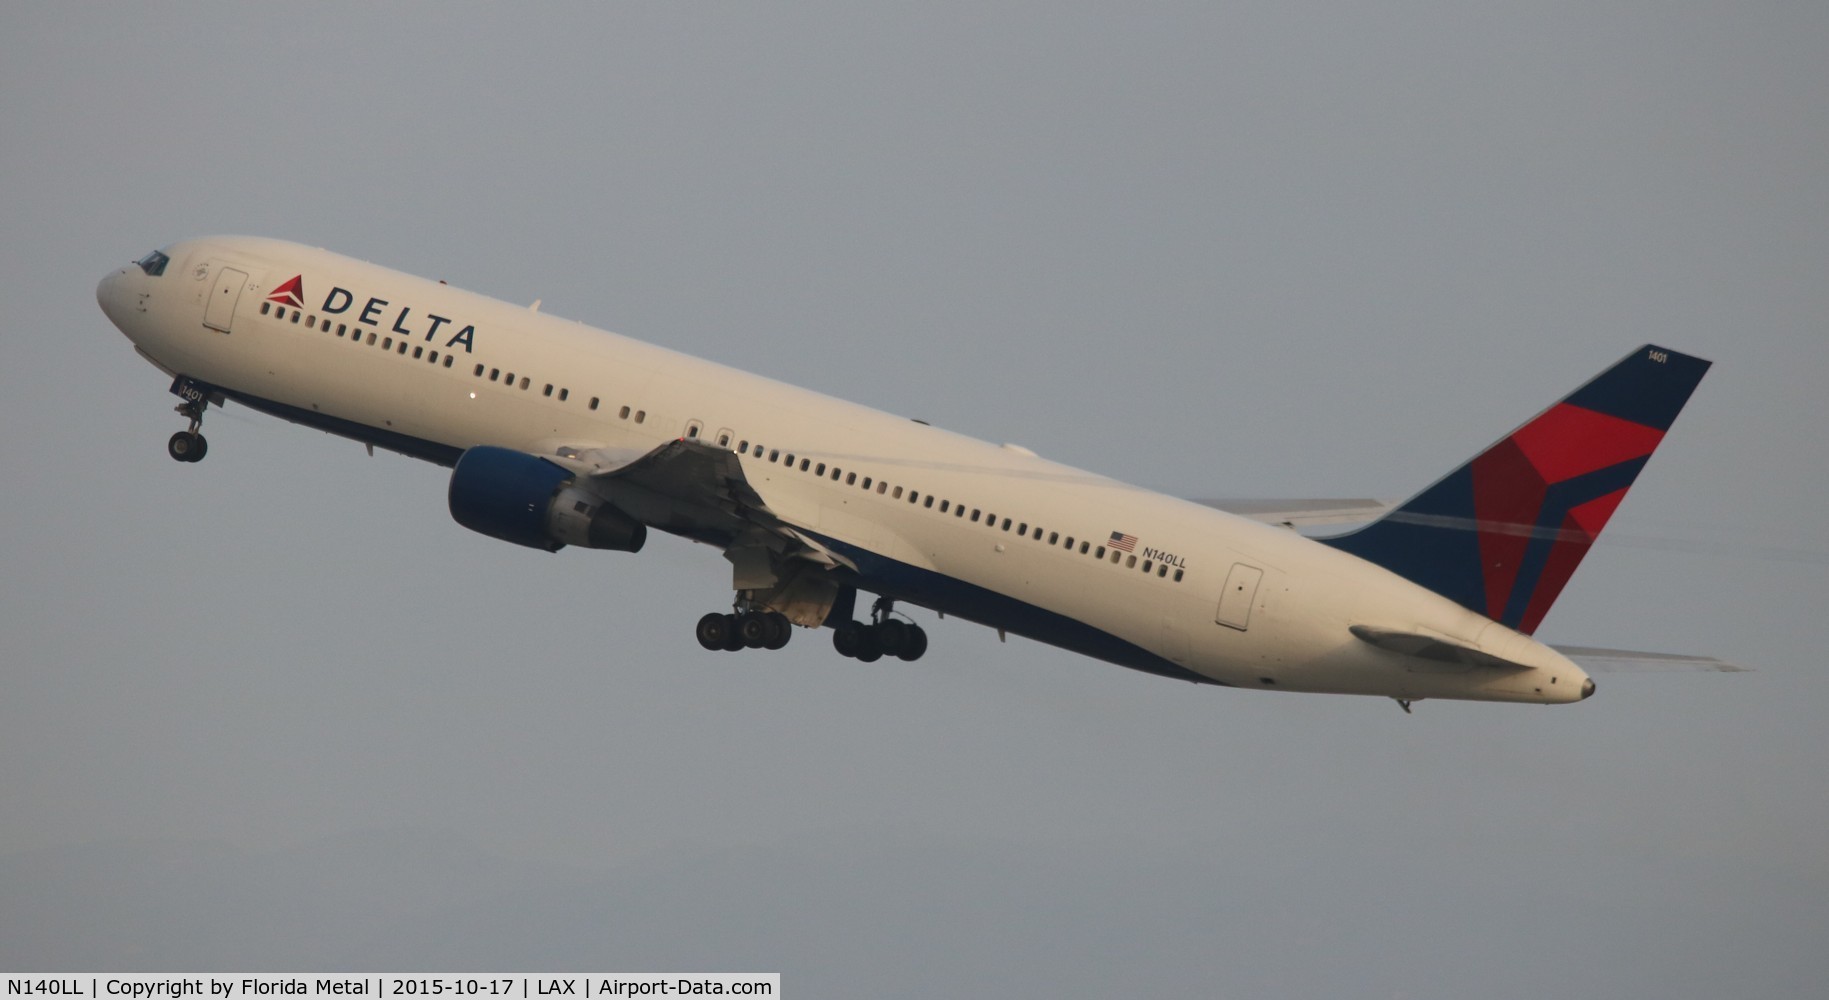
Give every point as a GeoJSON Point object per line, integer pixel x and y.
{"type": "Point", "coordinates": [220, 310]}
{"type": "Point", "coordinates": [1240, 594]}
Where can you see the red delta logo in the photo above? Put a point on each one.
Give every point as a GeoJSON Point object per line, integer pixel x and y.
{"type": "Point", "coordinates": [292, 293]}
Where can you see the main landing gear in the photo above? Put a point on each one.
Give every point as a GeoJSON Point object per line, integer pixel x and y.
{"type": "Point", "coordinates": [747, 630]}
{"type": "Point", "coordinates": [189, 446]}
{"type": "Point", "coordinates": [884, 636]}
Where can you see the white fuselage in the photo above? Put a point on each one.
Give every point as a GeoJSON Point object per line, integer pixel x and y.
{"type": "Point", "coordinates": [425, 368]}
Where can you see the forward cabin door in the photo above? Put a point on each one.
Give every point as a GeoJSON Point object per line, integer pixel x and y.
{"type": "Point", "coordinates": [220, 310]}
{"type": "Point", "coordinates": [1240, 594]}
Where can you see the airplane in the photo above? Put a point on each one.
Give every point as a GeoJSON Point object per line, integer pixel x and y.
{"type": "Point", "coordinates": [558, 434]}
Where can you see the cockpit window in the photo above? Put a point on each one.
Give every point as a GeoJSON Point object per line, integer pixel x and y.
{"type": "Point", "coordinates": [154, 263]}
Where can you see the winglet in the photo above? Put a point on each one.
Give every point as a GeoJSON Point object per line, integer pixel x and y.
{"type": "Point", "coordinates": [1502, 534]}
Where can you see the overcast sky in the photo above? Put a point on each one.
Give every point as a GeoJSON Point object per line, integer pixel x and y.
{"type": "Point", "coordinates": [278, 712]}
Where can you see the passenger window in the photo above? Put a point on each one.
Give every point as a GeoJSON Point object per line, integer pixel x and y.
{"type": "Point", "coordinates": [897, 495]}
{"type": "Point", "coordinates": [1178, 576]}
{"type": "Point", "coordinates": [774, 456]}
{"type": "Point", "coordinates": [549, 390]}
{"type": "Point", "coordinates": [975, 514]}
{"type": "Point", "coordinates": [402, 349]}
{"type": "Point", "coordinates": [914, 496]}
{"type": "Point", "coordinates": [342, 329]}
{"type": "Point", "coordinates": [866, 482]}
{"type": "Point", "coordinates": [418, 352]}
{"type": "Point", "coordinates": [625, 413]}
{"type": "Point", "coordinates": [1145, 565]}
{"type": "Point", "coordinates": [1084, 546]}
{"type": "Point", "coordinates": [479, 371]}
{"type": "Point", "coordinates": [265, 308]}
{"type": "Point", "coordinates": [851, 479]}
{"type": "Point", "coordinates": [493, 373]}
{"type": "Point", "coordinates": [820, 469]}
{"type": "Point", "coordinates": [387, 344]}
{"type": "Point", "coordinates": [371, 340]}
{"type": "Point", "coordinates": [448, 360]}
{"type": "Point", "coordinates": [805, 464]}
{"type": "Point", "coordinates": [433, 357]}
{"type": "Point", "coordinates": [835, 471]}
{"type": "Point", "coordinates": [524, 381]}
{"type": "Point", "coordinates": [594, 402]}
{"type": "Point", "coordinates": [959, 511]}
{"type": "Point", "coordinates": [943, 505]}
{"type": "Point", "coordinates": [508, 380]}
{"type": "Point", "coordinates": [313, 321]}
{"type": "Point", "coordinates": [1023, 529]}
{"type": "Point", "coordinates": [723, 440]}
{"type": "Point", "coordinates": [743, 448]}
{"type": "Point", "coordinates": [930, 501]}
{"type": "Point", "coordinates": [881, 487]}
{"type": "Point", "coordinates": [1132, 563]}
{"type": "Point", "coordinates": [295, 315]}
{"type": "Point", "coordinates": [1053, 537]}
{"type": "Point", "coordinates": [641, 415]}
{"type": "Point", "coordinates": [1162, 569]}
{"type": "Point", "coordinates": [790, 459]}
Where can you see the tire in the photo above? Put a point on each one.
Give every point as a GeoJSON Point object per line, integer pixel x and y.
{"type": "Point", "coordinates": [848, 638]}
{"type": "Point", "coordinates": [733, 636]}
{"type": "Point", "coordinates": [891, 636]}
{"type": "Point", "coordinates": [712, 631]}
{"type": "Point", "coordinates": [755, 629]}
{"type": "Point", "coordinates": [783, 630]}
{"type": "Point", "coordinates": [917, 644]}
{"type": "Point", "coordinates": [186, 447]}
{"type": "Point", "coordinates": [867, 649]}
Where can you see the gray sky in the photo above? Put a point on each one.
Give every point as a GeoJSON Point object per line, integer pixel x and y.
{"type": "Point", "coordinates": [277, 711]}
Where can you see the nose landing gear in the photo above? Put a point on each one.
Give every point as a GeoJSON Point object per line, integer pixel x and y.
{"type": "Point", "coordinates": [189, 445]}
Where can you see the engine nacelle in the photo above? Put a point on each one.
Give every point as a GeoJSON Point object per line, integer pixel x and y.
{"type": "Point", "coordinates": [529, 501]}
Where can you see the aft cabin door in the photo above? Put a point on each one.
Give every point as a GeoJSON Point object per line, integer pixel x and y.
{"type": "Point", "coordinates": [221, 307]}
{"type": "Point", "coordinates": [1240, 594]}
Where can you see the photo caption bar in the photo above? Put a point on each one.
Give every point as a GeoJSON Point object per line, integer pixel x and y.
{"type": "Point", "coordinates": [392, 986]}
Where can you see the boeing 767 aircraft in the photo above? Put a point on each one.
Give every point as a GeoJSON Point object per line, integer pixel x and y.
{"type": "Point", "coordinates": [558, 434]}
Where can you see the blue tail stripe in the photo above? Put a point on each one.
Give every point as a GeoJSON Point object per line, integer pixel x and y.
{"type": "Point", "coordinates": [1557, 502]}
{"type": "Point", "coordinates": [1644, 389]}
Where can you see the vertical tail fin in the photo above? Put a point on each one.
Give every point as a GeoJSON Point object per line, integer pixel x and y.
{"type": "Point", "coordinates": [1502, 534]}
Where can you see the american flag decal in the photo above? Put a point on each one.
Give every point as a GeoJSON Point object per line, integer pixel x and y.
{"type": "Point", "coordinates": [1122, 542]}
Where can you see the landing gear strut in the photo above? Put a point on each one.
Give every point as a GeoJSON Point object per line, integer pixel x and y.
{"type": "Point", "coordinates": [189, 445]}
{"type": "Point", "coordinates": [884, 636]}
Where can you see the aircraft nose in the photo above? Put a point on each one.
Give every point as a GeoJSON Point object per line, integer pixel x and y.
{"type": "Point", "coordinates": [1587, 689]}
{"type": "Point", "coordinates": [109, 294]}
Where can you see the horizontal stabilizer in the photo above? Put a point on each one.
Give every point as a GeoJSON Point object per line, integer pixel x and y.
{"type": "Point", "coordinates": [1597, 660]}
{"type": "Point", "coordinates": [1433, 647]}
{"type": "Point", "coordinates": [1303, 513]}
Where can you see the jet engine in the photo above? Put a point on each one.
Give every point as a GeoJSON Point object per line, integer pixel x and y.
{"type": "Point", "coordinates": [529, 501]}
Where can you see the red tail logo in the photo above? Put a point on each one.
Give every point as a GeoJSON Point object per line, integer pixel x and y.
{"type": "Point", "coordinates": [292, 293]}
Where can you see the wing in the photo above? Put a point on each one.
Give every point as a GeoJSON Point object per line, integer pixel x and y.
{"type": "Point", "coordinates": [699, 491]}
{"type": "Point", "coordinates": [1302, 513]}
{"type": "Point", "coordinates": [1597, 660]}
